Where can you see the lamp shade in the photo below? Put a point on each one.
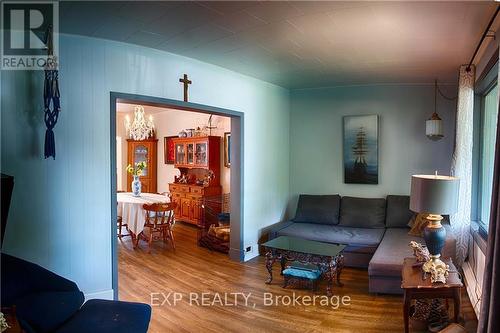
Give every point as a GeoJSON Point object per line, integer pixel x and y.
{"type": "Point", "coordinates": [434, 194]}
{"type": "Point", "coordinates": [434, 128]}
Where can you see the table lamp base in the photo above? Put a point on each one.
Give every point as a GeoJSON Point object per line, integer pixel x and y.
{"type": "Point", "coordinates": [435, 237]}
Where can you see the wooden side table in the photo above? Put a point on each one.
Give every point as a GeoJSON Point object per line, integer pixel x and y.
{"type": "Point", "coordinates": [415, 287]}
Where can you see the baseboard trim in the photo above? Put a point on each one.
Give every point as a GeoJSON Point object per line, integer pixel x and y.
{"type": "Point", "coordinates": [235, 254]}
{"type": "Point", "coordinates": [241, 256]}
{"type": "Point", "coordinates": [251, 255]}
{"type": "Point", "coordinates": [471, 287]}
{"type": "Point", "coordinates": [105, 294]}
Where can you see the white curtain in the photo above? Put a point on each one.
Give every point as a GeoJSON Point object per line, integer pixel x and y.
{"type": "Point", "coordinates": [461, 165]}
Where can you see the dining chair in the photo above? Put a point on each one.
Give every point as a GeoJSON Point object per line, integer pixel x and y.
{"type": "Point", "coordinates": [159, 219]}
{"type": "Point", "coordinates": [167, 194]}
{"type": "Point", "coordinates": [120, 224]}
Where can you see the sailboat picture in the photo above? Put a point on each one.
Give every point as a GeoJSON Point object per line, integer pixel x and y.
{"type": "Point", "coordinates": [361, 149]}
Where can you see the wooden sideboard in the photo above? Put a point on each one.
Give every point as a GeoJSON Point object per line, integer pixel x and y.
{"type": "Point", "coordinates": [194, 157]}
{"type": "Point", "coordinates": [198, 153]}
{"type": "Point", "coordinates": [189, 199]}
{"type": "Point", "coordinates": [139, 151]}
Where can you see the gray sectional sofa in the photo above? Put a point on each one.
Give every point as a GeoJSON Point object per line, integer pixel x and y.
{"type": "Point", "coordinates": [374, 230]}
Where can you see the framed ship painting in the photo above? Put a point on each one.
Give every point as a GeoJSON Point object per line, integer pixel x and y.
{"type": "Point", "coordinates": [361, 149]}
{"type": "Point", "coordinates": [168, 149]}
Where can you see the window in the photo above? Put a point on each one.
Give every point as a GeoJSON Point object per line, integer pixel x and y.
{"type": "Point", "coordinates": [488, 130]}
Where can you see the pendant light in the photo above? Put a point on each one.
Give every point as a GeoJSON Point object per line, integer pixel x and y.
{"type": "Point", "coordinates": [434, 125]}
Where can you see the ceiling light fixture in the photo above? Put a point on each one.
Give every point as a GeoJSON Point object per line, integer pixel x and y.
{"type": "Point", "coordinates": [140, 129]}
{"type": "Point", "coordinates": [434, 125]}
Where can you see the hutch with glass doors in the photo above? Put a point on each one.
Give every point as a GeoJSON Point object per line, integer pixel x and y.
{"type": "Point", "coordinates": [139, 151]}
{"type": "Point", "coordinates": [198, 160]}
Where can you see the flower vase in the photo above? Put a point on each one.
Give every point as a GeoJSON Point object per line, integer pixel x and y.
{"type": "Point", "coordinates": [136, 186]}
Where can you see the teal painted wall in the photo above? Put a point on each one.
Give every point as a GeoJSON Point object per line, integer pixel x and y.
{"type": "Point", "coordinates": [60, 212]}
{"type": "Point", "coordinates": [293, 144]}
{"type": "Point", "coordinates": [316, 163]}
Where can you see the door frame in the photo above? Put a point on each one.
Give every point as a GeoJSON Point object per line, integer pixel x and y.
{"type": "Point", "coordinates": [236, 250]}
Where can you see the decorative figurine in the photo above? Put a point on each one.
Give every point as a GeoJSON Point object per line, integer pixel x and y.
{"type": "Point", "coordinates": [420, 252]}
{"type": "Point", "coordinates": [182, 179]}
{"type": "Point", "coordinates": [182, 134]}
{"type": "Point", "coordinates": [439, 273]}
{"type": "Point", "coordinates": [208, 178]}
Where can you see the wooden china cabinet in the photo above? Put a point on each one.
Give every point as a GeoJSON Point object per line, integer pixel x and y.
{"type": "Point", "coordinates": [139, 151]}
{"type": "Point", "coordinates": [194, 157]}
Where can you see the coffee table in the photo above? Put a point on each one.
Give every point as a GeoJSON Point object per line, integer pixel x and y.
{"type": "Point", "coordinates": [328, 257]}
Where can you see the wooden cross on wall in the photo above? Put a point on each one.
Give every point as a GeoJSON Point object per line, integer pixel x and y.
{"type": "Point", "coordinates": [186, 83]}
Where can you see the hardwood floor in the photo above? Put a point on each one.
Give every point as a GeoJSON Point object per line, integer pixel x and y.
{"type": "Point", "coordinates": [191, 269]}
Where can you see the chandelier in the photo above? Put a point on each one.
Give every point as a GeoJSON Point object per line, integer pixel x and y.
{"type": "Point", "coordinates": [140, 129]}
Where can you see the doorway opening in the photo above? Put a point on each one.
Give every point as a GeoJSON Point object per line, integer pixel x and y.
{"type": "Point", "coordinates": [192, 156]}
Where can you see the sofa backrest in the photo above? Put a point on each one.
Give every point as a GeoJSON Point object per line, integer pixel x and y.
{"type": "Point", "coordinates": [320, 209]}
{"type": "Point", "coordinates": [362, 212]}
{"type": "Point", "coordinates": [398, 212]}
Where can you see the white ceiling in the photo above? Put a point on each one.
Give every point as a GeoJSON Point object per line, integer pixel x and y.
{"type": "Point", "coordinates": [129, 108]}
{"type": "Point", "coordinates": [298, 44]}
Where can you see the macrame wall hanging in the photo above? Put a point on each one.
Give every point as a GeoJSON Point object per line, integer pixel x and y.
{"type": "Point", "coordinates": [51, 96]}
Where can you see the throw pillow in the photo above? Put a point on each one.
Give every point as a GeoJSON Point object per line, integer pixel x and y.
{"type": "Point", "coordinates": [417, 225]}
{"type": "Point", "coordinates": [320, 209]}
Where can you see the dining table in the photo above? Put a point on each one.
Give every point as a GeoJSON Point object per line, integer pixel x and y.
{"type": "Point", "coordinates": [130, 208]}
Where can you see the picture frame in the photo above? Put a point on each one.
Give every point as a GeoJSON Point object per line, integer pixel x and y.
{"type": "Point", "coordinates": [168, 149]}
{"type": "Point", "coordinates": [227, 149]}
{"type": "Point", "coordinates": [360, 146]}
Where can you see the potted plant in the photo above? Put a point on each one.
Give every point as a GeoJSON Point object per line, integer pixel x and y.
{"type": "Point", "coordinates": [136, 172]}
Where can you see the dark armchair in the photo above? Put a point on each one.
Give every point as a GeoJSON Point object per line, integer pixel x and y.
{"type": "Point", "coordinates": [46, 302]}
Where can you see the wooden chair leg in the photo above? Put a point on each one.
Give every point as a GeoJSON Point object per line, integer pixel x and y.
{"type": "Point", "coordinates": [150, 241]}
{"type": "Point", "coordinates": [136, 240]}
{"type": "Point", "coordinates": [171, 236]}
{"type": "Point", "coordinates": [120, 228]}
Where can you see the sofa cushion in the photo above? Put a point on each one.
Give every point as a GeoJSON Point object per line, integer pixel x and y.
{"type": "Point", "coordinates": [302, 273]}
{"type": "Point", "coordinates": [362, 212]}
{"type": "Point", "coordinates": [357, 239]}
{"type": "Point", "coordinates": [398, 212]}
{"type": "Point", "coordinates": [46, 311]}
{"type": "Point", "coordinates": [102, 316]}
{"type": "Point", "coordinates": [275, 228]}
{"type": "Point", "coordinates": [320, 209]}
{"type": "Point", "coordinates": [388, 259]}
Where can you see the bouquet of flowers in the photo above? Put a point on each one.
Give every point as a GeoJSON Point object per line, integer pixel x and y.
{"type": "Point", "coordinates": [136, 170]}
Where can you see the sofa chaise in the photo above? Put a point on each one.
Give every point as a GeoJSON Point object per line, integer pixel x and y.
{"type": "Point", "coordinates": [374, 230]}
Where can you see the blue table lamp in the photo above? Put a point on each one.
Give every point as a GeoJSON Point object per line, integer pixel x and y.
{"type": "Point", "coordinates": [434, 195]}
